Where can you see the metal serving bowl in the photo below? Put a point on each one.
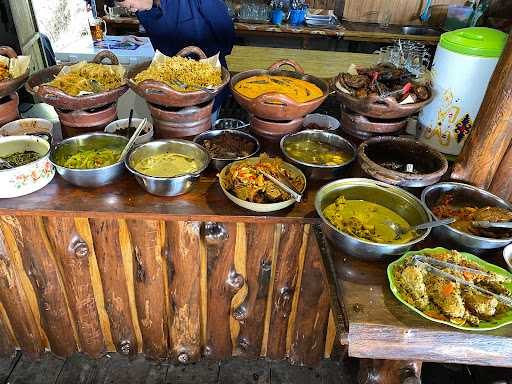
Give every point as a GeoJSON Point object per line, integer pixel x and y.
{"type": "Point", "coordinates": [167, 186]}
{"type": "Point", "coordinates": [219, 163]}
{"type": "Point", "coordinates": [320, 171]}
{"type": "Point", "coordinates": [464, 195]}
{"type": "Point", "coordinates": [89, 177]}
{"type": "Point", "coordinates": [394, 198]}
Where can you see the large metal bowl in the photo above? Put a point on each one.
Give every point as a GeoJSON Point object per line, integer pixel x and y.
{"type": "Point", "coordinates": [394, 198]}
{"type": "Point", "coordinates": [217, 162]}
{"type": "Point", "coordinates": [464, 195]}
{"type": "Point", "coordinates": [314, 171]}
{"type": "Point", "coordinates": [167, 186]}
{"type": "Point", "coordinates": [89, 177]}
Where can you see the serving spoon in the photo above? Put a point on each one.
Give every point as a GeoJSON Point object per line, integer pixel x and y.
{"type": "Point", "coordinates": [183, 85]}
{"type": "Point", "coordinates": [399, 230]}
{"type": "Point", "coordinates": [295, 195]}
{"type": "Point", "coordinates": [492, 224]}
{"type": "Point", "coordinates": [133, 138]}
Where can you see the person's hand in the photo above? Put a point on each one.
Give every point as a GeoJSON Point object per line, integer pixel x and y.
{"type": "Point", "coordinates": [136, 5]}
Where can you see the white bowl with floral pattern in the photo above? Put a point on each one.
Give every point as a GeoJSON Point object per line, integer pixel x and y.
{"type": "Point", "coordinates": [28, 178]}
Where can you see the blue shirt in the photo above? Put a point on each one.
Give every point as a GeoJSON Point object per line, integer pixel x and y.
{"type": "Point", "coordinates": [176, 24]}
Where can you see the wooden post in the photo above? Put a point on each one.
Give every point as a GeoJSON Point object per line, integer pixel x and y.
{"type": "Point", "coordinates": [488, 142]}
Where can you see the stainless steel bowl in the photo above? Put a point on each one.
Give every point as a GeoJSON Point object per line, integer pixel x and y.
{"type": "Point", "coordinates": [394, 198]}
{"type": "Point", "coordinates": [89, 177]}
{"type": "Point", "coordinates": [314, 171]}
{"type": "Point", "coordinates": [464, 195]}
{"type": "Point", "coordinates": [219, 163]}
{"type": "Point", "coordinates": [168, 186]}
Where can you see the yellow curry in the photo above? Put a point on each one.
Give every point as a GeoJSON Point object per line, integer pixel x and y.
{"type": "Point", "coordinates": [366, 221]}
{"type": "Point", "coordinates": [167, 165]}
{"type": "Point", "coordinates": [299, 90]}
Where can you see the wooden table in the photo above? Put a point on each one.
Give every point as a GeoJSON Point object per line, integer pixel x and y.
{"type": "Point", "coordinates": [382, 328]}
{"type": "Point", "coordinates": [115, 269]}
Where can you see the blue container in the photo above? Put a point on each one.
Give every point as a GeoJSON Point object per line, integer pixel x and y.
{"type": "Point", "coordinates": [296, 17]}
{"type": "Point", "coordinates": [277, 16]}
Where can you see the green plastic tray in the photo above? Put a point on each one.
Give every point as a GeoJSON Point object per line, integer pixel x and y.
{"type": "Point", "coordinates": [495, 323]}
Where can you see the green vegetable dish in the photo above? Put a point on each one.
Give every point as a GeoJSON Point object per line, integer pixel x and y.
{"type": "Point", "coordinates": [447, 302]}
{"type": "Point", "coordinates": [19, 158]}
{"type": "Point", "coordinates": [90, 159]}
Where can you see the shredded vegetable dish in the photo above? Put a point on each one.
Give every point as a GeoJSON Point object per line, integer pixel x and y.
{"type": "Point", "coordinates": [4, 72]}
{"type": "Point", "coordinates": [445, 300]}
{"type": "Point", "coordinates": [244, 180]}
{"type": "Point", "coordinates": [90, 159]}
{"type": "Point", "coordinates": [187, 71]}
{"type": "Point", "coordinates": [91, 78]}
{"type": "Point", "coordinates": [20, 158]}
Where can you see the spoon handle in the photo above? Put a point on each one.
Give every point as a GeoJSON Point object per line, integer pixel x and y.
{"type": "Point", "coordinates": [491, 224]}
{"type": "Point", "coordinates": [296, 196]}
{"type": "Point", "coordinates": [133, 138]}
{"type": "Point", "coordinates": [433, 224]}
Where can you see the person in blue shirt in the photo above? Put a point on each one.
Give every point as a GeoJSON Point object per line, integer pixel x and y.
{"type": "Point", "coordinates": [175, 24]}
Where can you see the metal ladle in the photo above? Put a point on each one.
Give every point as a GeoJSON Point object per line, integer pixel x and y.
{"type": "Point", "coordinates": [399, 230]}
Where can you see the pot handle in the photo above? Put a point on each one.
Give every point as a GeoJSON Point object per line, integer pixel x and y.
{"type": "Point", "coordinates": [51, 93]}
{"type": "Point", "coordinates": [192, 50]}
{"type": "Point", "coordinates": [102, 55]}
{"type": "Point", "coordinates": [291, 63]}
{"type": "Point", "coordinates": [152, 87]}
{"type": "Point", "coordinates": [43, 135]}
{"type": "Point", "coordinates": [275, 98]}
{"type": "Point", "coordinates": [8, 51]}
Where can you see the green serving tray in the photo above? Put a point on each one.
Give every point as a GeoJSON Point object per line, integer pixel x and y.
{"type": "Point", "coordinates": [497, 322]}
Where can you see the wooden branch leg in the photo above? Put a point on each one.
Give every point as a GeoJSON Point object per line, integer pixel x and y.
{"type": "Point", "coordinates": [389, 372]}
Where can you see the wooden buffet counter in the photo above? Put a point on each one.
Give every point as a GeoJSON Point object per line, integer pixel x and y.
{"type": "Point", "coordinates": [117, 269]}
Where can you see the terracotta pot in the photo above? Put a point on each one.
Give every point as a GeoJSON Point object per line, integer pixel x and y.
{"type": "Point", "coordinates": [363, 127]}
{"type": "Point", "coordinates": [159, 93]}
{"type": "Point", "coordinates": [275, 106]}
{"type": "Point", "coordinates": [181, 122]}
{"type": "Point", "coordinates": [9, 109]}
{"type": "Point", "coordinates": [62, 100]}
{"type": "Point", "coordinates": [429, 163]}
{"type": "Point", "coordinates": [75, 123]}
{"type": "Point", "coordinates": [275, 130]}
{"type": "Point", "coordinates": [376, 107]}
{"type": "Point", "coordinates": [8, 87]}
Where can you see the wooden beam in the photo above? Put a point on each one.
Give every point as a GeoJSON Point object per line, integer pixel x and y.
{"type": "Point", "coordinates": [488, 142]}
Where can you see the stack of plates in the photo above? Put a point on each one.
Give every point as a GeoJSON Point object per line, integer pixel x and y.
{"type": "Point", "coordinates": [321, 20]}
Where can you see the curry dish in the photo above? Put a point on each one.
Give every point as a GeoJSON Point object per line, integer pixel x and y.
{"type": "Point", "coordinates": [316, 152]}
{"type": "Point", "coordinates": [466, 214]}
{"type": "Point", "coordinates": [167, 165]}
{"type": "Point", "coordinates": [445, 300]}
{"type": "Point", "coordinates": [299, 90]}
{"type": "Point", "coordinates": [366, 221]}
{"type": "Point", "coordinates": [244, 180]}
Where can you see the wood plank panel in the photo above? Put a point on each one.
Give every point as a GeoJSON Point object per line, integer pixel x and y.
{"type": "Point", "coordinates": [286, 273]}
{"type": "Point", "coordinates": [184, 266]}
{"type": "Point", "coordinates": [150, 287]}
{"type": "Point", "coordinates": [107, 246]}
{"type": "Point", "coordinates": [44, 273]}
{"type": "Point", "coordinates": [15, 299]}
{"type": "Point", "coordinates": [73, 252]}
{"type": "Point", "coordinates": [309, 330]}
{"type": "Point", "coordinates": [223, 283]}
{"type": "Point", "coordinates": [9, 343]}
{"type": "Point", "coordinates": [260, 241]}
{"type": "Point", "coordinates": [501, 184]}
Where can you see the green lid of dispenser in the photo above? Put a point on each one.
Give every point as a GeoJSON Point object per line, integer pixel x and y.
{"type": "Point", "coordinates": [475, 41]}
